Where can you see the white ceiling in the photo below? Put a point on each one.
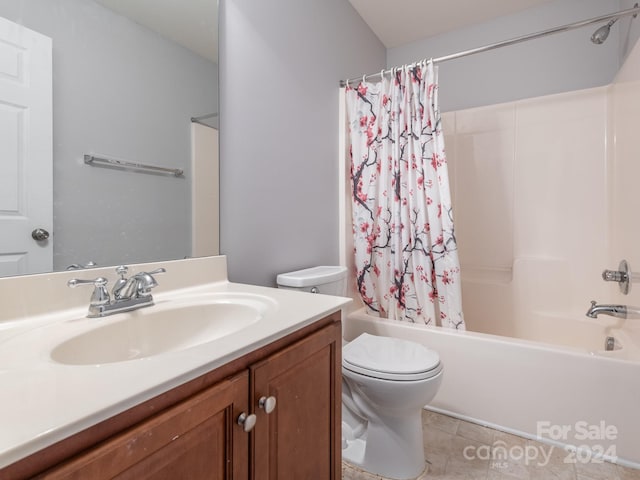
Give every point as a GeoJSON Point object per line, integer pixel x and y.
{"type": "Point", "coordinates": [192, 24]}
{"type": "Point", "coordinates": [398, 22]}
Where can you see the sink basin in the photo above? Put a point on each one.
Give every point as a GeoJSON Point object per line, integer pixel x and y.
{"type": "Point", "coordinates": [160, 329]}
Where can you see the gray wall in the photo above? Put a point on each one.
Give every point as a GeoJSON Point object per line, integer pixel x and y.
{"type": "Point", "coordinates": [121, 90]}
{"type": "Point", "coordinates": [280, 64]}
{"type": "Point", "coordinates": [557, 63]}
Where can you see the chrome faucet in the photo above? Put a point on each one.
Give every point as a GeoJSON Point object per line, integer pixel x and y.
{"type": "Point", "coordinates": [77, 266]}
{"type": "Point", "coordinates": [127, 293]}
{"type": "Point", "coordinates": [137, 286]}
{"type": "Point", "coordinates": [619, 311]}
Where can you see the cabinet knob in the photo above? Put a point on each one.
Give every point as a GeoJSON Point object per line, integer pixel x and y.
{"type": "Point", "coordinates": [267, 403]}
{"type": "Point", "coordinates": [247, 422]}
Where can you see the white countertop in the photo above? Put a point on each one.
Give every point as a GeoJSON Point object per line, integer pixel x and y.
{"type": "Point", "coordinates": [44, 401]}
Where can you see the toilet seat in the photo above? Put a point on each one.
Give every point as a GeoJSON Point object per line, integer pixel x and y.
{"type": "Point", "coordinates": [390, 358]}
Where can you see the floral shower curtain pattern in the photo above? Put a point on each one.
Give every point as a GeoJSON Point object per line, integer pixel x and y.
{"type": "Point", "coordinates": [405, 247]}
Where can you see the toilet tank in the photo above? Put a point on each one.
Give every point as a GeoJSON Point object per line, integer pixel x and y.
{"type": "Point", "coordinates": [330, 280]}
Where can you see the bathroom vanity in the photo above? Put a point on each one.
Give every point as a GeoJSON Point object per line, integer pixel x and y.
{"type": "Point", "coordinates": [262, 402]}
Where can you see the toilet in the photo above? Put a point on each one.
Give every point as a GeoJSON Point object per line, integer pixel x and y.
{"type": "Point", "coordinates": [385, 384]}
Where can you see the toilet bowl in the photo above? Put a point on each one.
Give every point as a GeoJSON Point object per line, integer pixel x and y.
{"type": "Point", "coordinates": [385, 384]}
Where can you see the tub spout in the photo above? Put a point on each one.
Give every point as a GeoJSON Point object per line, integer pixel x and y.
{"type": "Point", "coordinates": [619, 311]}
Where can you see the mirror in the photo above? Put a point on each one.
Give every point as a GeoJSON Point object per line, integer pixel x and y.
{"type": "Point", "coordinates": [128, 78]}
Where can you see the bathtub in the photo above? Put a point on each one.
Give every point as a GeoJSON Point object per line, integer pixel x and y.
{"type": "Point", "coordinates": [565, 391]}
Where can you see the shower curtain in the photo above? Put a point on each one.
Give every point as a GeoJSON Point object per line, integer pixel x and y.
{"type": "Point", "coordinates": [405, 248]}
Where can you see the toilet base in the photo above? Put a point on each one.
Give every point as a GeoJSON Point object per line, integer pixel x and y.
{"type": "Point", "coordinates": [396, 453]}
{"type": "Point", "coordinates": [353, 451]}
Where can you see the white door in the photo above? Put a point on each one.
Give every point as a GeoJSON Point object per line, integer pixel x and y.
{"type": "Point", "coordinates": [26, 188]}
{"type": "Point", "coordinates": [205, 197]}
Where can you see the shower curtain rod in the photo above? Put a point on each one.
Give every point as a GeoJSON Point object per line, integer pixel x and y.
{"type": "Point", "coordinates": [532, 36]}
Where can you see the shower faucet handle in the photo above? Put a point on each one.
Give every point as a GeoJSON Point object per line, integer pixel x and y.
{"type": "Point", "coordinates": [622, 276]}
{"type": "Point", "coordinates": [614, 276]}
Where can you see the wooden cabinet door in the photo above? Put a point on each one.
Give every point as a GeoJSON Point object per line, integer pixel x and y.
{"type": "Point", "coordinates": [196, 439]}
{"type": "Point", "coordinates": [300, 438]}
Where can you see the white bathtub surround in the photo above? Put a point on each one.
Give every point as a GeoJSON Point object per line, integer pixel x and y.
{"type": "Point", "coordinates": [624, 171]}
{"type": "Point", "coordinates": [544, 195]}
{"type": "Point", "coordinates": [50, 401]}
{"type": "Point", "coordinates": [531, 203]}
{"type": "Point", "coordinates": [405, 247]}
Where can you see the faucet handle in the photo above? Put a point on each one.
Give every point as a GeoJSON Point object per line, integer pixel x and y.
{"type": "Point", "coordinates": [622, 276]}
{"type": "Point", "coordinates": [100, 295]}
{"type": "Point", "coordinates": [122, 270]}
{"type": "Point", "coordinates": [120, 282]}
{"type": "Point", "coordinates": [77, 266]}
{"type": "Point", "coordinates": [146, 281]}
{"type": "Point", "coordinates": [98, 282]}
{"type": "Point", "coordinates": [157, 271]}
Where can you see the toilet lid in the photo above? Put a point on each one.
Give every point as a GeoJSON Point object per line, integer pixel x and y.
{"type": "Point", "coordinates": [390, 358]}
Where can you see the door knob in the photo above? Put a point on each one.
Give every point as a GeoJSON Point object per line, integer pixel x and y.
{"type": "Point", "coordinates": [247, 422]}
{"type": "Point", "coordinates": [40, 234]}
{"type": "Point", "coordinates": [267, 403]}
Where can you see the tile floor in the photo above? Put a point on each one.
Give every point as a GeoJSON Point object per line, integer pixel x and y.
{"type": "Point", "coordinates": [446, 438]}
